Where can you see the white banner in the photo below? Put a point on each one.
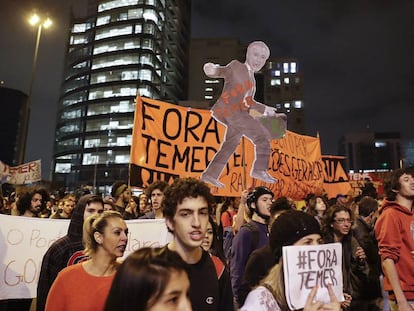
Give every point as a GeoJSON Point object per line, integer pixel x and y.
{"type": "Point", "coordinates": [306, 266]}
{"type": "Point", "coordinates": [24, 240]}
{"type": "Point", "coordinates": [21, 175]}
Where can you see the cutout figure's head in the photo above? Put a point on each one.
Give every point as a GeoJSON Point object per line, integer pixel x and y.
{"type": "Point", "coordinates": [257, 55]}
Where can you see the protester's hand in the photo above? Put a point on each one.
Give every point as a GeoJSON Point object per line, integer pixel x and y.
{"type": "Point", "coordinates": [243, 197]}
{"type": "Point", "coordinates": [360, 254]}
{"type": "Point", "coordinates": [209, 69]}
{"type": "Point", "coordinates": [348, 298]}
{"type": "Point", "coordinates": [334, 305]}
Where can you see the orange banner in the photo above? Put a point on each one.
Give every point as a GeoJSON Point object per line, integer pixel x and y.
{"type": "Point", "coordinates": [171, 141]}
{"type": "Point", "coordinates": [336, 180]}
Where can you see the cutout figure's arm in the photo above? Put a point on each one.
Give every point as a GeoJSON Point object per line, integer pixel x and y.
{"type": "Point", "coordinates": [214, 70]}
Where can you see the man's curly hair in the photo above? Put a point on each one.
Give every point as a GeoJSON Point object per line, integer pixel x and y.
{"type": "Point", "coordinates": [183, 188]}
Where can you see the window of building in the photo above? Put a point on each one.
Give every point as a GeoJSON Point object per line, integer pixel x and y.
{"type": "Point", "coordinates": [89, 159]}
{"type": "Point", "coordinates": [71, 114]}
{"type": "Point", "coordinates": [81, 65]}
{"type": "Point", "coordinates": [138, 28]}
{"type": "Point", "coordinates": [293, 67]}
{"type": "Point", "coordinates": [122, 158]}
{"type": "Point", "coordinates": [286, 80]}
{"type": "Point", "coordinates": [380, 144]}
{"type": "Point", "coordinates": [286, 105]}
{"type": "Point", "coordinates": [145, 74]}
{"type": "Point", "coordinates": [111, 61]}
{"type": "Point", "coordinates": [150, 14]}
{"type": "Point", "coordinates": [102, 20]}
{"type": "Point", "coordinates": [297, 104]}
{"type": "Point", "coordinates": [148, 44]}
{"type": "Point", "coordinates": [92, 143]}
{"type": "Point", "coordinates": [208, 81]}
{"type": "Point", "coordinates": [78, 39]}
{"type": "Point", "coordinates": [63, 168]}
{"type": "Point", "coordinates": [274, 82]}
{"type": "Point", "coordinates": [79, 28]}
{"type": "Point", "coordinates": [129, 75]}
{"type": "Point", "coordinates": [145, 91]}
{"type": "Point", "coordinates": [123, 16]}
{"type": "Point", "coordinates": [149, 29]}
{"type": "Point", "coordinates": [285, 67]}
{"type": "Point", "coordinates": [134, 13]}
{"type": "Point", "coordinates": [113, 32]}
{"type": "Point", "coordinates": [115, 4]}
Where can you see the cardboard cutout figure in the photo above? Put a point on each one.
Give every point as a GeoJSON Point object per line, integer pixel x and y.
{"type": "Point", "coordinates": [242, 115]}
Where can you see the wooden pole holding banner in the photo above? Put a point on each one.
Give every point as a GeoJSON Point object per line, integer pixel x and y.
{"type": "Point", "coordinates": [243, 160]}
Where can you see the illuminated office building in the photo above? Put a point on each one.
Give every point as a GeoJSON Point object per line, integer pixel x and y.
{"type": "Point", "coordinates": [123, 48]}
{"type": "Point", "coordinates": [283, 89]}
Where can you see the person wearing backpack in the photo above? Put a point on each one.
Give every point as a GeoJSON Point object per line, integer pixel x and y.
{"type": "Point", "coordinates": [228, 211]}
{"type": "Point", "coordinates": [252, 235]}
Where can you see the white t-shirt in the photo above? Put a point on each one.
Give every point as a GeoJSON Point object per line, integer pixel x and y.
{"type": "Point", "coordinates": [260, 299]}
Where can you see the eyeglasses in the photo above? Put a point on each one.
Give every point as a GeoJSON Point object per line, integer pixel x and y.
{"type": "Point", "coordinates": [341, 221]}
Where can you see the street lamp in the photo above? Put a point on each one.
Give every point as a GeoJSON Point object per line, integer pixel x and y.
{"type": "Point", "coordinates": [34, 20]}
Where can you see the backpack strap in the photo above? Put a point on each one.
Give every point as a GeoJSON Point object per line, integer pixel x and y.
{"type": "Point", "coordinates": [219, 265]}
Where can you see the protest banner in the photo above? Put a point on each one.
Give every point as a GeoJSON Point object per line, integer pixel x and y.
{"type": "Point", "coordinates": [24, 240]}
{"type": "Point", "coordinates": [336, 180]}
{"type": "Point", "coordinates": [171, 141]}
{"type": "Point", "coordinates": [358, 181]}
{"type": "Point", "coordinates": [22, 174]}
{"type": "Point", "coordinates": [307, 266]}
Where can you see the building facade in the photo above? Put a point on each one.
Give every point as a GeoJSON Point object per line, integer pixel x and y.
{"type": "Point", "coordinates": [372, 151]}
{"type": "Point", "coordinates": [13, 126]}
{"type": "Point", "coordinates": [122, 49]}
{"type": "Point", "coordinates": [283, 89]}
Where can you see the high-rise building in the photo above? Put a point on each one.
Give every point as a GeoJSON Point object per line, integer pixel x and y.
{"type": "Point", "coordinates": [208, 50]}
{"type": "Point", "coordinates": [123, 48]}
{"type": "Point", "coordinates": [372, 151]}
{"type": "Point", "coordinates": [13, 125]}
{"type": "Point", "coordinates": [283, 89]}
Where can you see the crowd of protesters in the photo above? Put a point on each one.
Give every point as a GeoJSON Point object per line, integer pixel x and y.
{"type": "Point", "coordinates": [225, 253]}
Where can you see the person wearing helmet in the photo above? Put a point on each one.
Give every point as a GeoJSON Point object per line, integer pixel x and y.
{"type": "Point", "coordinates": [252, 235]}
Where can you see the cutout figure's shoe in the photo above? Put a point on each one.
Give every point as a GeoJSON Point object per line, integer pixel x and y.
{"type": "Point", "coordinates": [264, 176]}
{"type": "Point", "coordinates": [211, 180]}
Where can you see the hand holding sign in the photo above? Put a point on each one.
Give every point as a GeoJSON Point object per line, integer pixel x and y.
{"type": "Point", "coordinates": [334, 305]}
{"type": "Point", "coordinates": [311, 272]}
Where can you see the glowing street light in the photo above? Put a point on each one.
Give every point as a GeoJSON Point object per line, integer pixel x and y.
{"type": "Point", "coordinates": [36, 21]}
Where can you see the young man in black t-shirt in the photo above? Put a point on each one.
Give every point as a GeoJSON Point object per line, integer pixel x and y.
{"type": "Point", "coordinates": [187, 206]}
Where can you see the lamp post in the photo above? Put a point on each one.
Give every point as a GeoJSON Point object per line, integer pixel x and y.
{"type": "Point", "coordinates": [34, 20]}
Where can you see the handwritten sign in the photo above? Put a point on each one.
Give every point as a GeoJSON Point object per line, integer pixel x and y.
{"type": "Point", "coordinates": [20, 175]}
{"type": "Point", "coordinates": [24, 240]}
{"type": "Point", "coordinates": [308, 266]}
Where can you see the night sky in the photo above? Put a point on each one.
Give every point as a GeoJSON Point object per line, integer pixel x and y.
{"type": "Point", "coordinates": [357, 58]}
